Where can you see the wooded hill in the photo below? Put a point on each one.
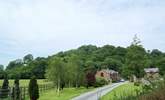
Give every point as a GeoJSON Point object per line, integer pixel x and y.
{"type": "Point", "coordinates": [127, 61]}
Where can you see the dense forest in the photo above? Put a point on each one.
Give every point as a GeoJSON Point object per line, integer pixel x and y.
{"type": "Point", "coordinates": [88, 58]}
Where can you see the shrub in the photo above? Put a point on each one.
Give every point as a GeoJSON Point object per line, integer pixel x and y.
{"type": "Point", "coordinates": [5, 88]}
{"type": "Point", "coordinates": [137, 83]}
{"type": "Point", "coordinates": [5, 83]}
{"type": "Point", "coordinates": [100, 82]}
{"type": "Point", "coordinates": [157, 92]}
{"type": "Point", "coordinates": [90, 79]}
{"type": "Point", "coordinates": [33, 89]}
{"type": "Point", "coordinates": [16, 90]}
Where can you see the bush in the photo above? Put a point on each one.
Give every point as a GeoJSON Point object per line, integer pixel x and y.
{"type": "Point", "coordinates": [5, 83]}
{"type": "Point", "coordinates": [137, 83]}
{"type": "Point", "coordinates": [90, 79]}
{"type": "Point", "coordinates": [100, 82]}
{"type": "Point", "coordinates": [5, 88]}
{"type": "Point", "coordinates": [16, 90]}
{"type": "Point", "coordinates": [33, 89]}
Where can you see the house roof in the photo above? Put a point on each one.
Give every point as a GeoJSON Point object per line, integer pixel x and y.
{"type": "Point", "coordinates": [147, 70]}
{"type": "Point", "coordinates": [109, 71]}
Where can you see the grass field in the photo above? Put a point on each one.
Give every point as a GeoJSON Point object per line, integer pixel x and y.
{"type": "Point", "coordinates": [25, 82]}
{"type": "Point", "coordinates": [66, 94]}
{"type": "Point", "coordinates": [121, 92]}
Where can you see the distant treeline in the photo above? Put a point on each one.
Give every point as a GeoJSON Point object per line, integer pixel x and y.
{"type": "Point", "coordinates": [128, 61]}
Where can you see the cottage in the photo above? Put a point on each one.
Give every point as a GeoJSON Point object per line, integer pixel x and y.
{"type": "Point", "coordinates": [108, 74]}
{"type": "Point", "coordinates": [152, 73]}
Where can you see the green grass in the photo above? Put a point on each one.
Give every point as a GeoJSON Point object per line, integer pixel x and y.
{"type": "Point", "coordinates": [122, 91]}
{"type": "Point", "coordinates": [25, 82]}
{"type": "Point", "coordinates": [66, 94]}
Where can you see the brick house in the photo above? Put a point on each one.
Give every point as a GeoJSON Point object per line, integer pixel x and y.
{"type": "Point", "coordinates": [109, 75]}
{"type": "Point", "coordinates": [152, 73]}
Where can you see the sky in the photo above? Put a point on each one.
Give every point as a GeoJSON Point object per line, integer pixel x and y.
{"type": "Point", "coordinates": [45, 27]}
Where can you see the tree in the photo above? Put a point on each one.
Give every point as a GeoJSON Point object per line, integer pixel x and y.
{"type": "Point", "coordinates": [14, 64]}
{"type": "Point", "coordinates": [1, 67]}
{"type": "Point", "coordinates": [1, 71]}
{"type": "Point", "coordinates": [5, 87]}
{"type": "Point", "coordinates": [28, 58]}
{"type": "Point", "coordinates": [16, 90]}
{"type": "Point", "coordinates": [33, 89]}
{"type": "Point", "coordinates": [156, 53]}
{"type": "Point", "coordinates": [113, 64]}
{"type": "Point", "coordinates": [135, 60]}
{"type": "Point", "coordinates": [56, 71]}
{"type": "Point", "coordinates": [5, 82]}
{"type": "Point", "coordinates": [136, 40]}
{"type": "Point", "coordinates": [90, 72]}
{"type": "Point", "coordinates": [38, 67]}
{"type": "Point", "coordinates": [161, 66]}
{"type": "Point", "coordinates": [75, 72]}
{"type": "Point", "coordinates": [90, 78]}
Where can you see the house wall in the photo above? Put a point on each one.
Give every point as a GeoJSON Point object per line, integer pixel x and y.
{"type": "Point", "coordinates": [105, 75]}
{"type": "Point", "coordinates": [114, 76]}
{"type": "Point", "coordinates": [152, 75]}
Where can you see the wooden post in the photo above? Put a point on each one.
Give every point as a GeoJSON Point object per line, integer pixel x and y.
{"type": "Point", "coordinates": [24, 92]}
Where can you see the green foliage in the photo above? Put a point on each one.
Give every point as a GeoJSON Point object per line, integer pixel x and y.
{"type": "Point", "coordinates": [137, 83]}
{"type": "Point", "coordinates": [33, 89]}
{"type": "Point", "coordinates": [1, 67]}
{"type": "Point", "coordinates": [127, 61]}
{"type": "Point", "coordinates": [74, 72]}
{"type": "Point", "coordinates": [14, 64]}
{"type": "Point", "coordinates": [27, 68]}
{"type": "Point", "coordinates": [56, 71]}
{"type": "Point", "coordinates": [2, 72]}
{"type": "Point", "coordinates": [113, 64]}
{"type": "Point", "coordinates": [5, 88]}
{"type": "Point", "coordinates": [135, 61]}
{"type": "Point", "coordinates": [161, 65]}
{"type": "Point", "coordinates": [28, 58]}
{"type": "Point", "coordinates": [16, 90]}
{"type": "Point", "coordinates": [5, 82]}
{"type": "Point", "coordinates": [100, 82]}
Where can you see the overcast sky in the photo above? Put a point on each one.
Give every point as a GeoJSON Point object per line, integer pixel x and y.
{"type": "Point", "coordinates": [45, 27]}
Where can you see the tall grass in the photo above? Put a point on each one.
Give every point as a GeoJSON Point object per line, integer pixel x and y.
{"type": "Point", "coordinates": [158, 92]}
{"type": "Point", "coordinates": [155, 91]}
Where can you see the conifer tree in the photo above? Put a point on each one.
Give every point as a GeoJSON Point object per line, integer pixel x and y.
{"type": "Point", "coordinates": [5, 83]}
{"type": "Point", "coordinates": [33, 89]}
{"type": "Point", "coordinates": [16, 90]}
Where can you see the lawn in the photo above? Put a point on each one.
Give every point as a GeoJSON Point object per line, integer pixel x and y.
{"type": "Point", "coordinates": [66, 94]}
{"type": "Point", "coordinates": [25, 83]}
{"type": "Point", "coordinates": [121, 92]}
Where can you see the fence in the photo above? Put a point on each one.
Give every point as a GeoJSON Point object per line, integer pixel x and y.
{"type": "Point", "coordinates": [24, 91]}
{"type": "Point", "coordinates": [42, 88]}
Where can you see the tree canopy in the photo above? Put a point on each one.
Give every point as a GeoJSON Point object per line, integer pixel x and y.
{"type": "Point", "coordinates": [127, 61]}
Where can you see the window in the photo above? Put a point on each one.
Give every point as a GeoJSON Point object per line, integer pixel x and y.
{"type": "Point", "coordinates": [102, 74]}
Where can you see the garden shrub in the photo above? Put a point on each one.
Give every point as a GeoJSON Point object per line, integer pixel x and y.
{"type": "Point", "coordinates": [4, 91]}
{"type": "Point", "coordinates": [137, 83]}
{"type": "Point", "coordinates": [33, 89]}
{"type": "Point", "coordinates": [100, 82]}
{"type": "Point", "coordinates": [16, 90]}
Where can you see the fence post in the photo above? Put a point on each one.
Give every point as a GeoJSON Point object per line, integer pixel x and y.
{"type": "Point", "coordinates": [24, 92]}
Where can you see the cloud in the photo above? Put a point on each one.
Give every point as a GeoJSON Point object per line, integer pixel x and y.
{"type": "Point", "coordinates": [45, 27]}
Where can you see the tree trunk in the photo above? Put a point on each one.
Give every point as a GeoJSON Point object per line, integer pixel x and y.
{"type": "Point", "coordinates": [69, 84]}
{"type": "Point", "coordinates": [58, 86]}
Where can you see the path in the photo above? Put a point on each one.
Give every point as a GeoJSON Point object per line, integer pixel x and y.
{"type": "Point", "coordinates": [99, 92]}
